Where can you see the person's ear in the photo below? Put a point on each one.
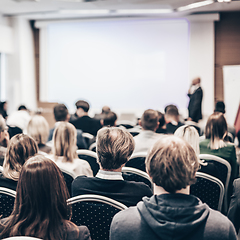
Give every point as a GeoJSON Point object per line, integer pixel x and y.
{"type": "Point", "coordinates": [101, 121]}
{"type": "Point", "coordinates": [140, 122]}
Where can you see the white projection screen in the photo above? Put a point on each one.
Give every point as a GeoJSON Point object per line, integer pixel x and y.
{"type": "Point", "coordinates": [130, 64]}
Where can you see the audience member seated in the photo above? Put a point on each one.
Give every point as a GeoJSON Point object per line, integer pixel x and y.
{"type": "Point", "coordinates": [110, 119]}
{"type": "Point", "coordinates": [220, 107]}
{"type": "Point", "coordinates": [4, 139]}
{"type": "Point", "coordinates": [190, 134]}
{"type": "Point", "coordinates": [3, 109]}
{"type": "Point", "coordinates": [61, 115]}
{"type": "Point", "coordinates": [40, 209]}
{"type": "Point", "coordinates": [20, 148]}
{"type": "Point", "coordinates": [234, 207]}
{"type": "Point", "coordinates": [84, 122]}
{"type": "Point", "coordinates": [172, 119]}
{"type": "Point", "coordinates": [172, 213]}
{"type": "Point", "coordinates": [148, 136]}
{"type": "Point", "coordinates": [105, 111]}
{"type": "Point", "coordinates": [215, 132]}
{"type": "Point", "coordinates": [64, 150]}
{"type": "Point", "coordinates": [162, 124]}
{"type": "Point", "coordinates": [19, 118]}
{"type": "Point", "coordinates": [38, 129]}
{"type": "Point", "coordinates": [114, 148]}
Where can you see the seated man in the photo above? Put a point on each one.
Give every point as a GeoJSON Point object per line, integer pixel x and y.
{"type": "Point", "coordinates": [61, 115]}
{"type": "Point", "coordinates": [114, 148]}
{"type": "Point", "coordinates": [4, 139]}
{"type": "Point", "coordinates": [172, 119]}
{"type": "Point", "coordinates": [84, 122]}
{"type": "Point", "coordinates": [172, 213]}
{"type": "Point", "coordinates": [148, 136]}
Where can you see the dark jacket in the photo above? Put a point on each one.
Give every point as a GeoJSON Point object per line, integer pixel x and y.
{"type": "Point", "coordinates": [171, 217]}
{"type": "Point", "coordinates": [234, 208]}
{"type": "Point", "coordinates": [195, 105]}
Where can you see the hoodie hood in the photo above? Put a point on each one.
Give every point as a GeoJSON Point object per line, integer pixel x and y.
{"type": "Point", "coordinates": [173, 216]}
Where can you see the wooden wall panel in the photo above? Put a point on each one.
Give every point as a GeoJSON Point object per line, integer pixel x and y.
{"type": "Point", "coordinates": [227, 48]}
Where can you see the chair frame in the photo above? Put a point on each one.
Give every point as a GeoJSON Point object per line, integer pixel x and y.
{"type": "Point", "coordinates": [227, 164]}
{"type": "Point", "coordinates": [22, 238]}
{"type": "Point", "coordinates": [69, 173]}
{"type": "Point", "coordinates": [87, 152]}
{"type": "Point", "coordinates": [137, 172]}
{"type": "Point", "coordinates": [97, 198]}
{"type": "Point", "coordinates": [87, 135]}
{"type": "Point", "coordinates": [8, 191]}
{"type": "Point", "coordinates": [138, 154]}
{"type": "Point", "coordinates": [92, 146]}
{"type": "Point", "coordinates": [218, 182]}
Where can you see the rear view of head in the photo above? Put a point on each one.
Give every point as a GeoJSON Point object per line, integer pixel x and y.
{"type": "Point", "coordinates": [20, 148]}
{"type": "Point", "coordinates": [83, 105]}
{"type": "Point", "coordinates": [38, 129]}
{"type": "Point", "coordinates": [172, 164]}
{"type": "Point", "coordinates": [149, 120]}
{"type": "Point", "coordinates": [190, 134]}
{"type": "Point", "coordinates": [172, 113]}
{"type": "Point", "coordinates": [114, 147]}
{"type": "Point", "coordinates": [110, 119]}
{"type": "Point", "coordinates": [41, 201]}
{"type": "Point", "coordinates": [64, 141]}
{"type": "Point", "coordinates": [216, 128]}
{"type": "Point", "coordinates": [60, 112]}
{"type": "Point", "coordinates": [220, 107]}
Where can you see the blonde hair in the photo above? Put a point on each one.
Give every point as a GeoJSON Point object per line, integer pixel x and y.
{"type": "Point", "coordinates": [64, 141]}
{"type": "Point", "coordinates": [190, 134]}
{"type": "Point", "coordinates": [38, 129]}
{"type": "Point", "coordinates": [20, 148]}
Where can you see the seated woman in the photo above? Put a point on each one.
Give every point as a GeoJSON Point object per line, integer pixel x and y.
{"type": "Point", "coordinates": [64, 151]}
{"type": "Point", "coordinates": [20, 148]}
{"type": "Point", "coordinates": [215, 132]}
{"type": "Point", "coordinates": [42, 211]}
{"type": "Point", "coordinates": [190, 134]}
{"type": "Point", "coordinates": [38, 129]}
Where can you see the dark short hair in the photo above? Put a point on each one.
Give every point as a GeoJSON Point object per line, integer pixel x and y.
{"type": "Point", "coordinates": [149, 119]}
{"type": "Point", "coordinates": [172, 163]}
{"type": "Point", "coordinates": [82, 104]}
{"type": "Point", "coordinates": [22, 107]}
{"type": "Point", "coordinates": [109, 119]}
{"type": "Point", "coordinates": [60, 112]}
{"type": "Point", "coordinates": [161, 119]}
{"type": "Point", "coordinates": [172, 111]}
{"type": "Point", "coordinates": [114, 147]}
{"type": "Point", "coordinates": [169, 106]}
{"type": "Point", "coordinates": [220, 107]}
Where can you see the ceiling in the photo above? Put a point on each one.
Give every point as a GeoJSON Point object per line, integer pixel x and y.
{"type": "Point", "coordinates": [64, 9]}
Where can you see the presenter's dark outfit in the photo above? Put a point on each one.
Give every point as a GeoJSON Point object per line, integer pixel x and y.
{"type": "Point", "coordinates": [195, 105]}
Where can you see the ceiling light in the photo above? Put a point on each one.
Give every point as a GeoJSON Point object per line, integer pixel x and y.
{"type": "Point", "coordinates": [144, 11]}
{"type": "Point", "coordinates": [195, 5]}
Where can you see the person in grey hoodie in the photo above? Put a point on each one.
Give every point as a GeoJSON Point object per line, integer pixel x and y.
{"type": "Point", "coordinates": [172, 213]}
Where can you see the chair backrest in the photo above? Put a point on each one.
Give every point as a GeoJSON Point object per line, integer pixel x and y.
{"type": "Point", "coordinates": [224, 169]}
{"type": "Point", "coordinates": [95, 212]}
{"type": "Point", "coordinates": [137, 160]}
{"type": "Point", "coordinates": [126, 123]}
{"type": "Point", "coordinates": [69, 177]}
{"type": "Point", "coordinates": [134, 174]}
{"type": "Point", "coordinates": [209, 190]}
{"type": "Point", "coordinates": [7, 198]}
{"type": "Point", "coordinates": [21, 238]}
{"type": "Point", "coordinates": [92, 147]}
{"type": "Point", "coordinates": [91, 158]}
{"type": "Point", "coordinates": [89, 138]}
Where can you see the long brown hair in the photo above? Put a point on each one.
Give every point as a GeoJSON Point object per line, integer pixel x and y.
{"type": "Point", "coordinates": [20, 148]}
{"type": "Point", "coordinates": [40, 208]}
